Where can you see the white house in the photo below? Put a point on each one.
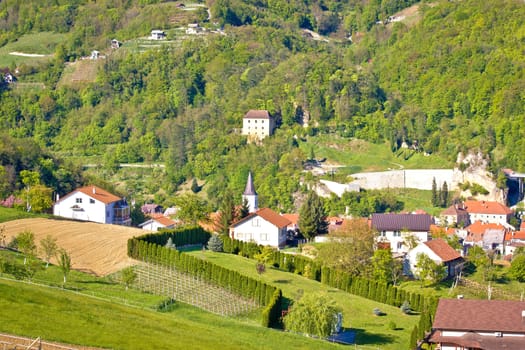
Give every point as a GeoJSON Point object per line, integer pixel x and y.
{"type": "Point", "coordinates": [157, 35]}
{"type": "Point", "coordinates": [158, 222]}
{"type": "Point", "coordinates": [461, 324]}
{"type": "Point", "coordinates": [92, 203]}
{"type": "Point", "coordinates": [488, 212]}
{"type": "Point", "coordinates": [264, 227]}
{"type": "Point", "coordinates": [440, 252]}
{"type": "Point", "coordinates": [398, 230]}
{"type": "Point", "coordinates": [257, 124]}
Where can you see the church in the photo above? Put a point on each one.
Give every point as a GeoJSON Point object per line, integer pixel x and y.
{"type": "Point", "coordinates": [263, 225]}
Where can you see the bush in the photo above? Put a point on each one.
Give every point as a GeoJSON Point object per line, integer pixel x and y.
{"type": "Point", "coordinates": [392, 325]}
{"type": "Point", "coordinates": [405, 307]}
{"type": "Point", "coordinates": [215, 244]}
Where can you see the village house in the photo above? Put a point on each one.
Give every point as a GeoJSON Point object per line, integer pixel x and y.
{"type": "Point", "coordinates": [399, 230]}
{"type": "Point", "coordinates": [513, 241]}
{"type": "Point", "coordinates": [157, 35]}
{"type": "Point", "coordinates": [92, 203]}
{"type": "Point", "coordinates": [440, 252]}
{"type": "Point", "coordinates": [262, 226]}
{"type": "Point", "coordinates": [461, 324]}
{"type": "Point", "coordinates": [195, 29]}
{"type": "Point", "coordinates": [489, 236]}
{"type": "Point", "coordinates": [488, 212]}
{"type": "Point", "coordinates": [257, 124]}
{"type": "Point", "coordinates": [151, 209]}
{"type": "Point", "coordinates": [158, 222]}
{"type": "Point", "coordinates": [455, 215]}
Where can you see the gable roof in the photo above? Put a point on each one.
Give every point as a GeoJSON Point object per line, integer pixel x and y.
{"type": "Point", "coordinates": [455, 210]}
{"type": "Point", "coordinates": [96, 193]}
{"type": "Point", "coordinates": [515, 235]}
{"type": "Point", "coordinates": [442, 249]}
{"type": "Point", "coordinates": [268, 215]}
{"type": "Point", "coordinates": [399, 222]}
{"type": "Point", "coordinates": [257, 114]}
{"type": "Point", "coordinates": [484, 207]}
{"type": "Point", "coordinates": [480, 315]}
{"type": "Point", "coordinates": [293, 218]}
{"type": "Point", "coordinates": [479, 227]}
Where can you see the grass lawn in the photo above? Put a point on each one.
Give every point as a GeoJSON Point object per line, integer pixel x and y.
{"type": "Point", "coordinates": [8, 214]}
{"type": "Point", "coordinates": [371, 330]}
{"type": "Point", "coordinates": [43, 43]}
{"type": "Point", "coordinates": [124, 319]}
{"type": "Point", "coordinates": [361, 156]}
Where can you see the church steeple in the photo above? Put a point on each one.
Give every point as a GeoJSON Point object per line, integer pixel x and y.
{"type": "Point", "coordinates": [250, 195]}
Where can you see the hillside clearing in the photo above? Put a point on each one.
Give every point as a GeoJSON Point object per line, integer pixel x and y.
{"type": "Point", "coordinates": [95, 248]}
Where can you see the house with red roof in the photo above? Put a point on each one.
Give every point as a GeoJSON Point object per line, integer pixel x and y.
{"type": "Point", "coordinates": [486, 235]}
{"type": "Point", "coordinates": [264, 227]}
{"type": "Point", "coordinates": [158, 222]}
{"type": "Point", "coordinates": [92, 203]}
{"type": "Point", "coordinates": [440, 252]}
{"type": "Point", "coordinates": [479, 324]}
{"type": "Point", "coordinates": [489, 212]}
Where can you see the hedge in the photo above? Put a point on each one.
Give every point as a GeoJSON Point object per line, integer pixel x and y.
{"type": "Point", "coordinates": [151, 247]}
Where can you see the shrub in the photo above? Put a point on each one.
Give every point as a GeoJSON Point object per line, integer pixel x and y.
{"type": "Point", "coordinates": [405, 307]}
{"type": "Point", "coordinates": [215, 244]}
{"type": "Point", "coordinates": [392, 325]}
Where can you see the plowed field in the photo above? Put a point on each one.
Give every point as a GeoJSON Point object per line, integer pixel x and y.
{"type": "Point", "coordinates": [95, 248]}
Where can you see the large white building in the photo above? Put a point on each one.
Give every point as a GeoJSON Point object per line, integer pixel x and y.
{"type": "Point", "coordinates": [92, 203]}
{"type": "Point", "coordinates": [257, 124]}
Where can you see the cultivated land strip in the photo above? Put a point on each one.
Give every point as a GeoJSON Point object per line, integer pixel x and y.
{"type": "Point", "coordinates": [95, 248]}
{"type": "Point", "coordinates": [8, 342]}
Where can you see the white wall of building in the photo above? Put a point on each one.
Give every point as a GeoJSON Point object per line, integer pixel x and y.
{"type": "Point", "coordinates": [80, 206]}
{"type": "Point", "coordinates": [398, 238]}
{"type": "Point", "coordinates": [260, 231]}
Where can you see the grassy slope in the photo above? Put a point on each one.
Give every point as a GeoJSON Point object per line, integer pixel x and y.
{"type": "Point", "coordinates": [63, 316]}
{"type": "Point", "coordinates": [38, 43]}
{"type": "Point", "coordinates": [360, 156]}
{"type": "Point", "coordinates": [357, 311]}
{"type": "Point", "coordinates": [67, 316]}
{"type": "Point", "coordinates": [8, 214]}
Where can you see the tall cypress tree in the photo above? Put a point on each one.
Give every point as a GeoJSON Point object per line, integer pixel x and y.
{"type": "Point", "coordinates": [227, 213]}
{"type": "Point", "coordinates": [444, 195]}
{"type": "Point", "coordinates": [435, 199]}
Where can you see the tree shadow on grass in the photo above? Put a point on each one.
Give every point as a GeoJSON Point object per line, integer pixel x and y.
{"type": "Point", "coordinates": [366, 338]}
{"type": "Point", "coordinates": [282, 281]}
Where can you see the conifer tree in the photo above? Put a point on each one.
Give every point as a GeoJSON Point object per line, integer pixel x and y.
{"type": "Point", "coordinates": [444, 195]}
{"type": "Point", "coordinates": [312, 217]}
{"type": "Point", "coordinates": [435, 199]}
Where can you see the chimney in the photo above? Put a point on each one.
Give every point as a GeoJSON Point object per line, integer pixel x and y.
{"type": "Point", "coordinates": [94, 190]}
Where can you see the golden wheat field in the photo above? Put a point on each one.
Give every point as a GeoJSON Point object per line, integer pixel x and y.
{"type": "Point", "coordinates": [95, 248]}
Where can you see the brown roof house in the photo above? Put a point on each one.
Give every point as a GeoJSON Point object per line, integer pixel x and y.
{"type": "Point", "coordinates": [440, 252]}
{"type": "Point", "coordinates": [257, 124]}
{"type": "Point", "coordinates": [488, 212]}
{"type": "Point", "coordinates": [479, 324]}
{"type": "Point", "coordinates": [158, 222]}
{"type": "Point", "coordinates": [455, 215]}
{"type": "Point", "coordinates": [92, 203]}
{"type": "Point", "coordinates": [399, 229]}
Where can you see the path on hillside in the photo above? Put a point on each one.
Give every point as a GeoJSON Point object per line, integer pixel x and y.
{"type": "Point", "coordinates": [94, 248]}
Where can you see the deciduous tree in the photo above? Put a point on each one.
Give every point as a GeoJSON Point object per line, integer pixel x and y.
{"type": "Point", "coordinates": [313, 314]}
{"type": "Point", "coordinates": [49, 247]}
{"type": "Point", "coordinates": [64, 263]}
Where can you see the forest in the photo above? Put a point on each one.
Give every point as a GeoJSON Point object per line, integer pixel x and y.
{"type": "Point", "coordinates": [450, 79]}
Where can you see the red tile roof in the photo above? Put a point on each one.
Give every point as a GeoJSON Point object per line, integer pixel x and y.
{"type": "Point", "coordinates": [454, 210]}
{"type": "Point", "coordinates": [484, 207]}
{"type": "Point", "coordinates": [480, 315]}
{"type": "Point", "coordinates": [515, 235]}
{"type": "Point", "coordinates": [443, 250]}
{"type": "Point", "coordinates": [293, 218]}
{"type": "Point", "coordinates": [257, 114]}
{"type": "Point", "coordinates": [164, 221]}
{"type": "Point", "coordinates": [268, 215]}
{"type": "Point", "coordinates": [479, 228]}
{"type": "Point", "coordinates": [96, 193]}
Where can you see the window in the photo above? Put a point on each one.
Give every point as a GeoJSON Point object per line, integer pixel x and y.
{"type": "Point", "coordinates": [256, 222]}
{"type": "Point", "coordinates": [78, 200]}
{"type": "Point", "coordinates": [383, 234]}
{"type": "Point", "coordinates": [399, 245]}
{"type": "Point", "coordinates": [397, 234]}
{"type": "Point", "coordinates": [91, 201]}
{"type": "Point", "coordinates": [264, 236]}
{"type": "Point", "coordinates": [240, 236]}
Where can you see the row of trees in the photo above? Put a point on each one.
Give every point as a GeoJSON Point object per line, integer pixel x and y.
{"type": "Point", "coordinates": [25, 243]}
